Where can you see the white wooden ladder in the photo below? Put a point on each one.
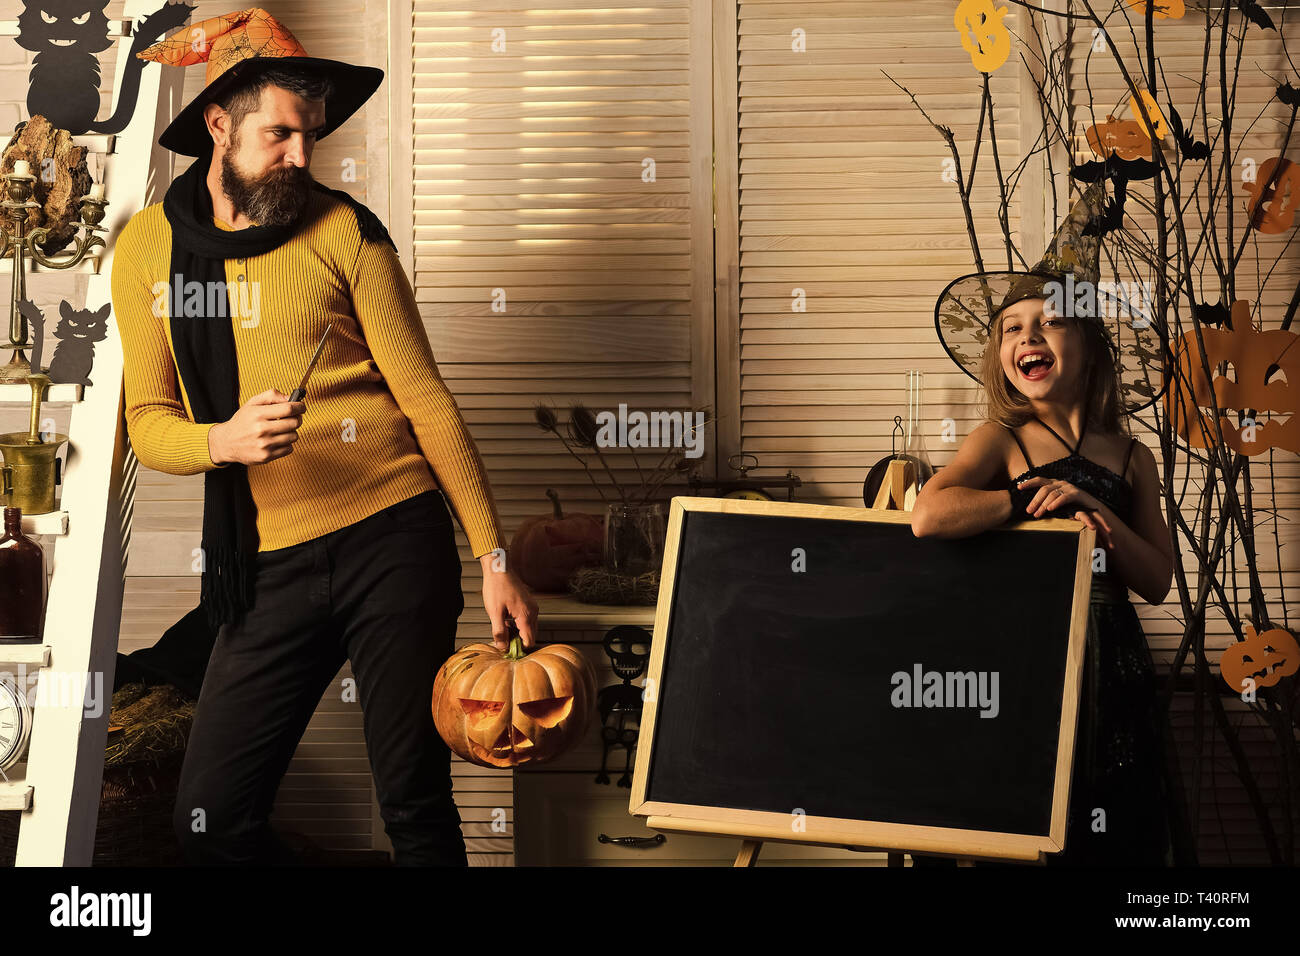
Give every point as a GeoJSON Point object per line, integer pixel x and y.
{"type": "Point", "coordinates": [58, 789]}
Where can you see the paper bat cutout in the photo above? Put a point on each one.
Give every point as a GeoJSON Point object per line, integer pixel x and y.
{"type": "Point", "coordinates": [1214, 314]}
{"type": "Point", "coordinates": [1187, 143]}
{"type": "Point", "coordinates": [1114, 168]}
{"type": "Point", "coordinates": [1253, 12]}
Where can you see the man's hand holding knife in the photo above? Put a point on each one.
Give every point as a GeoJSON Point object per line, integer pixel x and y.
{"type": "Point", "coordinates": [266, 427]}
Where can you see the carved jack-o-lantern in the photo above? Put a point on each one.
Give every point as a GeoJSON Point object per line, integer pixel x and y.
{"type": "Point", "coordinates": [983, 34]}
{"type": "Point", "coordinates": [1264, 658]}
{"type": "Point", "coordinates": [506, 709]}
{"type": "Point", "coordinates": [1255, 358]}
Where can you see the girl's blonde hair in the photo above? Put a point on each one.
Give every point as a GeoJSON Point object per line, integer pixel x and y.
{"type": "Point", "coordinates": [1008, 406]}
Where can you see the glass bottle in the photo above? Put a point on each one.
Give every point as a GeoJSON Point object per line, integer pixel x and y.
{"type": "Point", "coordinates": [22, 583]}
{"type": "Point", "coordinates": [914, 444]}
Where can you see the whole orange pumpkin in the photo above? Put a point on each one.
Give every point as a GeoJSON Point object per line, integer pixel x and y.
{"type": "Point", "coordinates": [547, 549]}
{"type": "Point", "coordinates": [507, 709]}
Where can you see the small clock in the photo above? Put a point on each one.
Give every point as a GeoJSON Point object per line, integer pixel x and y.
{"type": "Point", "coordinates": [749, 494]}
{"type": "Point", "coordinates": [15, 724]}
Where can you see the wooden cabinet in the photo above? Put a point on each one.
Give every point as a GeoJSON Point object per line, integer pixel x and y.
{"type": "Point", "coordinates": [561, 813]}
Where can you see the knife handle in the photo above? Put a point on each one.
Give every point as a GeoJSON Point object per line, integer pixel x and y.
{"type": "Point", "coordinates": [298, 394]}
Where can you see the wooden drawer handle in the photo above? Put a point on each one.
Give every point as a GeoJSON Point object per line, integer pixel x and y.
{"type": "Point", "coordinates": [633, 841]}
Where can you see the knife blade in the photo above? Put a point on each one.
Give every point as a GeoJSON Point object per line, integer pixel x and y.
{"type": "Point", "coordinates": [301, 390]}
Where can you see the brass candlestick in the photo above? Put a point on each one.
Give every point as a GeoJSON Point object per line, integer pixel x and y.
{"type": "Point", "coordinates": [18, 243]}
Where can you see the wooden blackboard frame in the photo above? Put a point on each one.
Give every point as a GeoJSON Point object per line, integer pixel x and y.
{"type": "Point", "coordinates": [831, 831]}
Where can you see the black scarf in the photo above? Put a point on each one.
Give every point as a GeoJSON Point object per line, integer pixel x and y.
{"type": "Point", "coordinates": [206, 363]}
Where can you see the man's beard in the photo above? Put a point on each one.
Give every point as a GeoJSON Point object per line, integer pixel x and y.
{"type": "Point", "coordinates": [276, 199]}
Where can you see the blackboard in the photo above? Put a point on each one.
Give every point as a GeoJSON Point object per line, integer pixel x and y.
{"type": "Point", "coordinates": [785, 695]}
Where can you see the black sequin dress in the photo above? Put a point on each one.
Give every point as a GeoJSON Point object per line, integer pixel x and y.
{"type": "Point", "coordinates": [1122, 787]}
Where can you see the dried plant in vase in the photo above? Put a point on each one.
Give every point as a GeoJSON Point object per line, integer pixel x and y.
{"type": "Point", "coordinates": [634, 522]}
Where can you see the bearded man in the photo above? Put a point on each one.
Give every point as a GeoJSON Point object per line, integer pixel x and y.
{"type": "Point", "coordinates": [327, 532]}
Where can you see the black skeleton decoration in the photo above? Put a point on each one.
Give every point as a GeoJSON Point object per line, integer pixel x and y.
{"type": "Point", "coordinates": [78, 331]}
{"type": "Point", "coordinates": [65, 35]}
{"type": "Point", "coordinates": [620, 705]}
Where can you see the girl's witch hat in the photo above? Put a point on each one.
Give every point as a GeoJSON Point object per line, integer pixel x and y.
{"type": "Point", "coordinates": [1068, 276]}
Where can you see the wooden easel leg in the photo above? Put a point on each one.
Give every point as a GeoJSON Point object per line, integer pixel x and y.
{"type": "Point", "coordinates": [748, 855]}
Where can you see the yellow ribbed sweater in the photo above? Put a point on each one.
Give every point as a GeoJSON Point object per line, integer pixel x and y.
{"type": "Point", "coordinates": [380, 425]}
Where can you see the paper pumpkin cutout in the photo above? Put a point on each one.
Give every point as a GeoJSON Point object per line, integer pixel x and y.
{"type": "Point", "coordinates": [502, 710]}
{"type": "Point", "coordinates": [1152, 110]}
{"type": "Point", "coordinates": [1164, 9]}
{"type": "Point", "coordinates": [983, 34]}
{"type": "Point", "coordinates": [1123, 138]}
{"type": "Point", "coordinates": [1255, 359]}
{"type": "Point", "coordinates": [65, 35]}
{"type": "Point", "coordinates": [1266, 658]}
{"type": "Point", "coordinates": [1273, 210]}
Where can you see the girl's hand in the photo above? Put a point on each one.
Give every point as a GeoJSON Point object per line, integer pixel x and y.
{"type": "Point", "coordinates": [1053, 493]}
{"type": "Point", "coordinates": [1097, 523]}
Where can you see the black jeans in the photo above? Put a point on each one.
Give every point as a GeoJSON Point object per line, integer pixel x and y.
{"type": "Point", "coordinates": [383, 593]}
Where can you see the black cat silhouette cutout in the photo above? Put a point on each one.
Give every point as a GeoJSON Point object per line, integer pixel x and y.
{"type": "Point", "coordinates": [65, 35]}
{"type": "Point", "coordinates": [78, 331]}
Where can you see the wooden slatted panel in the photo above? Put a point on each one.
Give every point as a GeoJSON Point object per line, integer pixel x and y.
{"type": "Point", "coordinates": [528, 160]}
{"type": "Point", "coordinates": [1227, 830]}
{"type": "Point", "coordinates": [842, 195]}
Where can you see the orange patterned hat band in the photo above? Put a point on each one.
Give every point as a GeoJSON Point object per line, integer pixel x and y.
{"type": "Point", "coordinates": [225, 40]}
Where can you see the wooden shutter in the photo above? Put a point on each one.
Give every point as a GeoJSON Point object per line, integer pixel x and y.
{"type": "Point", "coordinates": [841, 194]}
{"type": "Point", "coordinates": [529, 134]}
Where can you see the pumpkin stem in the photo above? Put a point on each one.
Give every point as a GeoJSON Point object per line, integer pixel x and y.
{"type": "Point", "coordinates": [555, 502]}
{"type": "Point", "coordinates": [516, 652]}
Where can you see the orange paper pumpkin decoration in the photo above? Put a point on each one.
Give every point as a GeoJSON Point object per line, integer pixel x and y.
{"type": "Point", "coordinates": [983, 34]}
{"type": "Point", "coordinates": [1254, 356]}
{"type": "Point", "coordinates": [1152, 110]}
{"type": "Point", "coordinates": [1125, 138]}
{"type": "Point", "coordinates": [1265, 658]}
{"type": "Point", "coordinates": [507, 709]}
{"type": "Point", "coordinates": [1273, 210]}
{"type": "Point", "coordinates": [1164, 9]}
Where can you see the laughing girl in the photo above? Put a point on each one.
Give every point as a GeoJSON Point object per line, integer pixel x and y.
{"type": "Point", "coordinates": [1055, 446]}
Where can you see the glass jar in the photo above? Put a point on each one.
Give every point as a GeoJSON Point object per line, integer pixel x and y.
{"type": "Point", "coordinates": [634, 538]}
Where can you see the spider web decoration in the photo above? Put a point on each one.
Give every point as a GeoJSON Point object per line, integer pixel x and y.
{"type": "Point", "coordinates": [227, 39]}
